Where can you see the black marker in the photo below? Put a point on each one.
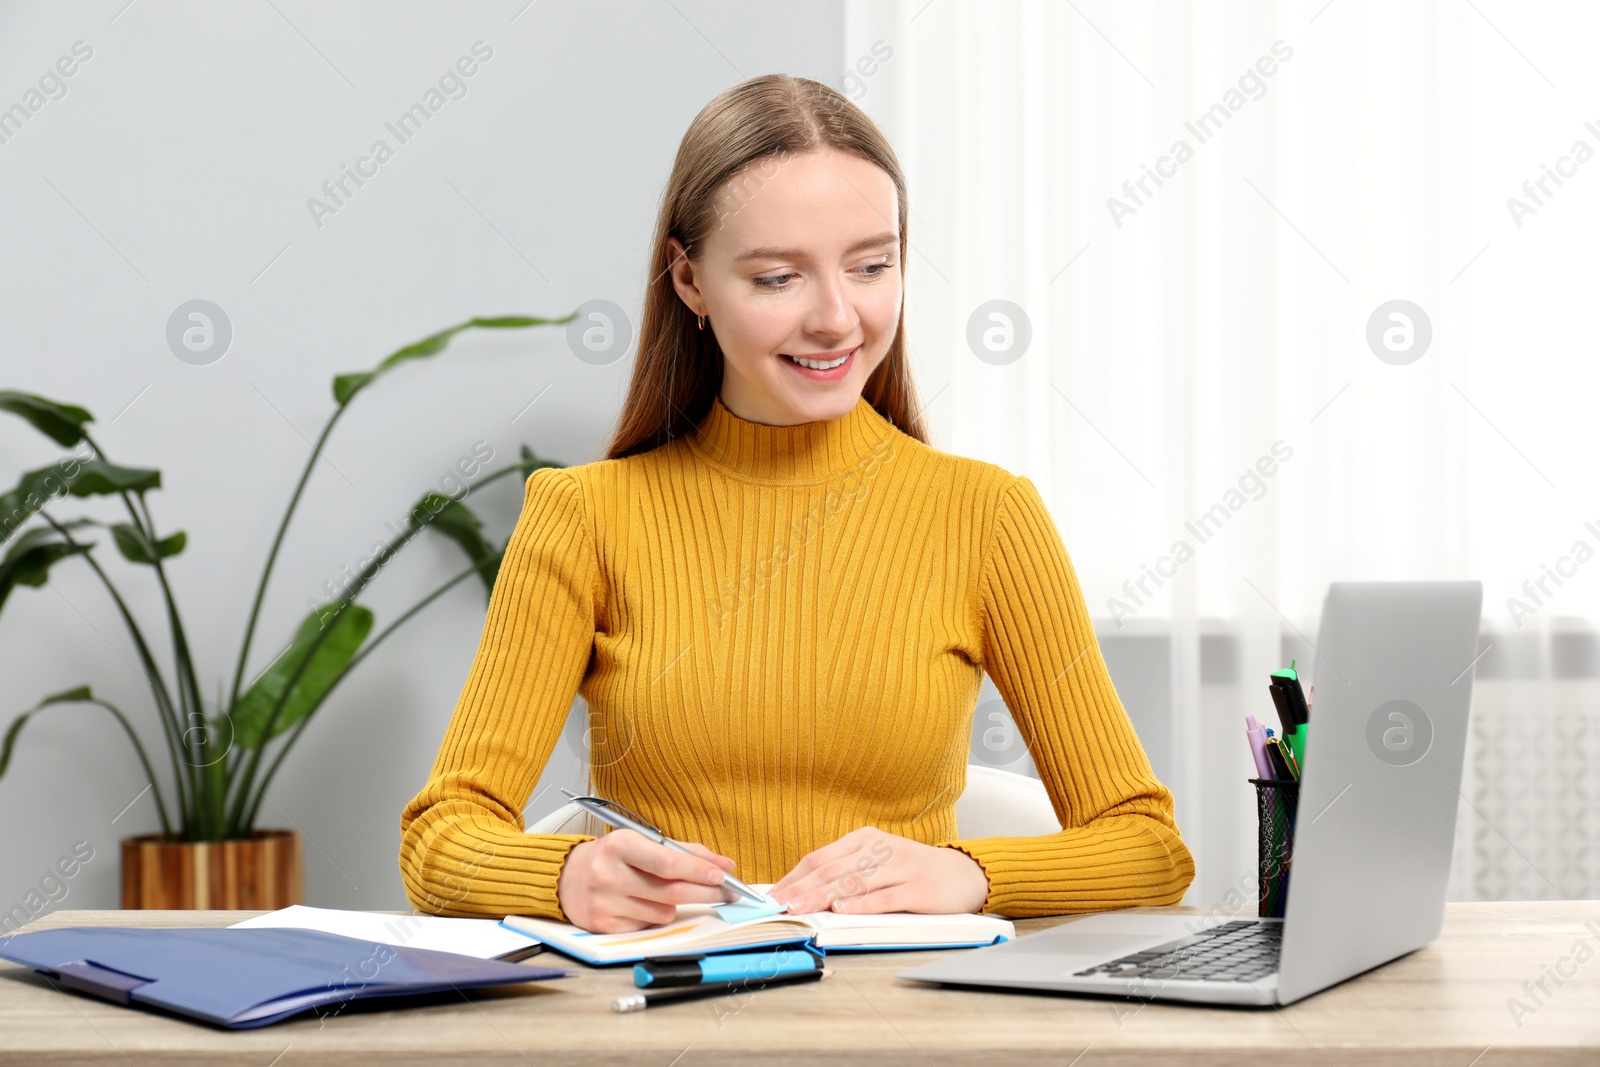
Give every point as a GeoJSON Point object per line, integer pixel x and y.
{"type": "Point", "coordinates": [641, 1001]}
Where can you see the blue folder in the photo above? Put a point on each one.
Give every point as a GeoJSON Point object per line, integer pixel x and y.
{"type": "Point", "coordinates": [247, 978]}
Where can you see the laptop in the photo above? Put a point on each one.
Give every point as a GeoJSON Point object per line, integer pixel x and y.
{"type": "Point", "coordinates": [1373, 831]}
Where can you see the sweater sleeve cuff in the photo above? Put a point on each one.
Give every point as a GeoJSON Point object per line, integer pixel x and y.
{"type": "Point", "coordinates": [476, 870]}
{"type": "Point", "coordinates": [1121, 862]}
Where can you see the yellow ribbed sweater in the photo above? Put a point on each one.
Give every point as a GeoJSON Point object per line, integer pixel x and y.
{"type": "Point", "coordinates": [780, 633]}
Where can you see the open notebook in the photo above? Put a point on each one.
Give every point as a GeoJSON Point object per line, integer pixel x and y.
{"type": "Point", "coordinates": [710, 928]}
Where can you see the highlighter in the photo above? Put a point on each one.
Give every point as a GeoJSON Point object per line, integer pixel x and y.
{"type": "Point", "coordinates": [1296, 741]}
{"type": "Point", "coordinates": [754, 967]}
{"type": "Point", "coordinates": [1293, 711]}
{"type": "Point", "coordinates": [1289, 698]}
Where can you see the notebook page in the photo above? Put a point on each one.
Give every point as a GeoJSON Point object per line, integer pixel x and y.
{"type": "Point", "coordinates": [905, 928]}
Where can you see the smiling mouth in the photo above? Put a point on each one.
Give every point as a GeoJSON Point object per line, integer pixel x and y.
{"type": "Point", "coordinates": [821, 365]}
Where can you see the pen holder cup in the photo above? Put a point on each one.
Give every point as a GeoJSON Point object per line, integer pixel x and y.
{"type": "Point", "coordinates": [1276, 804]}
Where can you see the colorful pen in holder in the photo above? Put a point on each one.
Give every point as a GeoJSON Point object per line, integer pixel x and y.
{"type": "Point", "coordinates": [1279, 761]}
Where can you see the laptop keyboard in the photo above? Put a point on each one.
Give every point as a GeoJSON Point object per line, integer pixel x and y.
{"type": "Point", "coordinates": [1239, 951]}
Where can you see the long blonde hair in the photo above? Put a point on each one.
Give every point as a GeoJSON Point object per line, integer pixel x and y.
{"type": "Point", "coordinates": [678, 370]}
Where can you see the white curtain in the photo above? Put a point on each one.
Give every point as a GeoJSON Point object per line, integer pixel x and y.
{"type": "Point", "coordinates": [1195, 210]}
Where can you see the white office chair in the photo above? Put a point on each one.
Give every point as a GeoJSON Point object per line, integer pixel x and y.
{"type": "Point", "coordinates": [995, 803]}
{"type": "Point", "coordinates": [1000, 803]}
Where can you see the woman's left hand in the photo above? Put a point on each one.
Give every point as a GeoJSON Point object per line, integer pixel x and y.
{"type": "Point", "coordinates": [869, 871]}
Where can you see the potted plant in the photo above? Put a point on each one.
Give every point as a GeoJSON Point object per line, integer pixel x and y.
{"type": "Point", "coordinates": [210, 853]}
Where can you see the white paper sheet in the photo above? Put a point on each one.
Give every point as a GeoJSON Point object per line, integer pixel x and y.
{"type": "Point", "coordinates": [484, 939]}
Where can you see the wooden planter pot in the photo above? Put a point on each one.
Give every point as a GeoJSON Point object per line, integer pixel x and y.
{"type": "Point", "coordinates": [261, 872]}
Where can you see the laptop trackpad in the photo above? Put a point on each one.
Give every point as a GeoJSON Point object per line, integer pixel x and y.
{"type": "Point", "coordinates": [1098, 938]}
{"type": "Point", "coordinates": [1089, 946]}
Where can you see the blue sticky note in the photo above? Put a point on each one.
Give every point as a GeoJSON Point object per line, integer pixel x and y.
{"type": "Point", "coordinates": [739, 911]}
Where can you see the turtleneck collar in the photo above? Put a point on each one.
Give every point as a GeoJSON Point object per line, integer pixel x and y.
{"type": "Point", "coordinates": [810, 452]}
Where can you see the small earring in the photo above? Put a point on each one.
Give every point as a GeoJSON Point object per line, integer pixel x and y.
{"type": "Point", "coordinates": [702, 322]}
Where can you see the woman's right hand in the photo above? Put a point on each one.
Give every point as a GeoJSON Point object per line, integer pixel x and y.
{"type": "Point", "coordinates": [624, 881]}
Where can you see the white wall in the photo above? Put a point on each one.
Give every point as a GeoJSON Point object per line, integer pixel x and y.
{"type": "Point", "coordinates": [177, 166]}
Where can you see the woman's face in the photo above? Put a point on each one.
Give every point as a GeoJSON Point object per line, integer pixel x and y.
{"type": "Point", "coordinates": [805, 265]}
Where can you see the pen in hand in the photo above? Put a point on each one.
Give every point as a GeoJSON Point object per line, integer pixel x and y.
{"type": "Point", "coordinates": [620, 818]}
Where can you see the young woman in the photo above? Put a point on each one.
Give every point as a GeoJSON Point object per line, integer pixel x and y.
{"type": "Point", "coordinates": [779, 601]}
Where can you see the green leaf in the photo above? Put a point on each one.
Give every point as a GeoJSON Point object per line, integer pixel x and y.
{"type": "Point", "coordinates": [44, 535]}
{"type": "Point", "coordinates": [96, 477]}
{"type": "Point", "coordinates": [29, 560]}
{"type": "Point", "coordinates": [71, 696]}
{"type": "Point", "coordinates": [136, 547]}
{"type": "Point", "coordinates": [531, 462]}
{"type": "Point", "coordinates": [77, 477]}
{"type": "Point", "coordinates": [329, 660]}
{"type": "Point", "coordinates": [346, 386]}
{"type": "Point", "coordinates": [457, 522]}
{"type": "Point", "coordinates": [62, 423]}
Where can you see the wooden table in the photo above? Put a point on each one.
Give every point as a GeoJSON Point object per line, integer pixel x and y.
{"type": "Point", "coordinates": [1447, 1004]}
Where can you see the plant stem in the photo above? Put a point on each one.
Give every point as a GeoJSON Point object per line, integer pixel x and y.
{"type": "Point", "coordinates": [501, 473]}
{"type": "Point", "coordinates": [202, 815]}
{"type": "Point", "coordinates": [418, 606]}
{"type": "Point", "coordinates": [157, 683]}
{"type": "Point", "coordinates": [207, 815]}
{"type": "Point", "coordinates": [155, 786]}
{"type": "Point", "coordinates": [493, 477]}
{"type": "Point", "coordinates": [371, 645]}
{"type": "Point", "coordinates": [272, 554]}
